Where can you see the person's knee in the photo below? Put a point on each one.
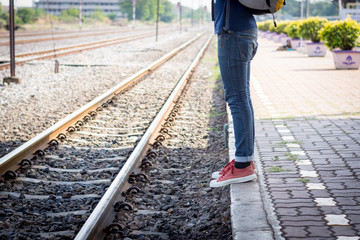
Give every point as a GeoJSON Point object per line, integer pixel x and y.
{"type": "Point", "coordinates": [238, 97]}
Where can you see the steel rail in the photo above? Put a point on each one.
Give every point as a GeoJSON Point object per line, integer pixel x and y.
{"type": "Point", "coordinates": [26, 151]}
{"type": "Point", "coordinates": [54, 38]}
{"type": "Point", "coordinates": [48, 54]}
{"type": "Point", "coordinates": [103, 213]}
{"type": "Point", "coordinates": [133, 37]}
{"type": "Point", "coordinates": [109, 31]}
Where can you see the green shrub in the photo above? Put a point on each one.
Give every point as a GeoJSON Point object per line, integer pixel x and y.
{"type": "Point", "coordinates": [281, 26]}
{"type": "Point", "coordinates": [292, 30]}
{"type": "Point", "coordinates": [272, 28]}
{"type": "Point", "coordinates": [265, 26]}
{"type": "Point", "coordinates": [261, 25]}
{"type": "Point", "coordinates": [98, 14]}
{"type": "Point", "coordinates": [309, 28]}
{"type": "Point", "coordinates": [341, 34]}
{"type": "Point", "coordinates": [2, 23]}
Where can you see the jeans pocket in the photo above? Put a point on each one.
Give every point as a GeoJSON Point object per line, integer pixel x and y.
{"type": "Point", "coordinates": [255, 50]}
{"type": "Point", "coordinates": [247, 47]}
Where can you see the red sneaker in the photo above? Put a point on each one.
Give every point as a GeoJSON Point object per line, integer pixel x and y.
{"type": "Point", "coordinates": [218, 174]}
{"type": "Point", "coordinates": [234, 175]}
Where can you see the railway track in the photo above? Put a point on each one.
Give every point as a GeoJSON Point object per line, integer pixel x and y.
{"type": "Point", "coordinates": [48, 54]}
{"type": "Point", "coordinates": [65, 170]}
{"type": "Point", "coordinates": [78, 35]}
{"type": "Point", "coordinates": [57, 32]}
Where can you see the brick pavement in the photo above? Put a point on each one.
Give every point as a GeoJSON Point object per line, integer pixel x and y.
{"type": "Point", "coordinates": [308, 142]}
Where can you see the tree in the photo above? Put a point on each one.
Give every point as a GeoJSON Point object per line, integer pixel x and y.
{"type": "Point", "coordinates": [98, 14]}
{"type": "Point", "coordinates": [112, 16]}
{"type": "Point", "coordinates": [2, 21]}
{"type": "Point", "coordinates": [168, 12]}
{"type": "Point", "coordinates": [72, 12]}
{"type": "Point", "coordinates": [26, 15]}
{"type": "Point", "coordinates": [146, 10]}
{"type": "Point", "coordinates": [69, 15]}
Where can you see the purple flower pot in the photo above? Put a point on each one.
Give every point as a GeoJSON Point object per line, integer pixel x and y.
{"type": "Point", "coordinates": [346, 59]}
{"type": "Point", "coordinates": [316, 49]}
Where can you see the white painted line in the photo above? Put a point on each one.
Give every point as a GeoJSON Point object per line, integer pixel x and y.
{"type": "Point", "coordinates": [325, 202]}
{"type": "Point", "coordinates": [310, 174]}
{"type": "Point", "coordinates": [288, 138]}
{"type": "Point", "coordinates": [336, 220]}
{"type": "Point", "coordinates": [300, 153]}
{"type": "Point", "coordinates": [347, 238]}
{"type": "Point", "coordinates": [303, 162]}
{"type": "Point", "coordinates": [292, 145]}
{"type": "Point", "coordinates": [315, 186]}
{"type": "Point", "coordinates": [284, 131]}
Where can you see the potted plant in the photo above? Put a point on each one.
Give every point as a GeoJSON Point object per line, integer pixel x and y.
{"type": "Point", "coordinates": [292, 30]}
{"type": "Point", "coordinates": [272, 31]}
{"type": "Point", "coordinates": [281, 26]}
{"type": "Point", "coordinates": [341, 37]}
{"type": "Point", "coordinates": [309, 29]}
{"type": "Point", "coordinates": [264, 27]}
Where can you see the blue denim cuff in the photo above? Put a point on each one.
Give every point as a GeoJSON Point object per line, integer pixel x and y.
{"type": "Point", "coordinates": [244, 159]}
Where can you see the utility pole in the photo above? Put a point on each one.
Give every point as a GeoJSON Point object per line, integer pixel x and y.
{"type": "Point", "coordinates": [307, 8]}
{"type": "Point", "coordinates": [192, 14]}
{"type": "Point", "coordinates": [80, 14]}
{"type": "Point", "coordinates": [12, 78]}
{"type": "Point", "coordinates": [180, 15]}
{"type": "Point", "coordinates": [340, 9]}
{"type": "Point", "coordinates": [157, 19]}
{"type": "Point", "coordinates": [134, 11]}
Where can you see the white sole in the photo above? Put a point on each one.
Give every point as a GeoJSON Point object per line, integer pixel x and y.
{"type": "Point", "coordinates": [216, 175]}
{"type": "Point", "coordinates": [249, 178]}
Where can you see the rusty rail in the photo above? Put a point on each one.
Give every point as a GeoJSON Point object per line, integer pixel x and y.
{"type": "Point", "coordinates": [48, 54]}
{"type": "Point", "coordinates": [27, 151]}
{"type": "Point", "coordinates": [103, 214]}
{"type": "Point", "coordinates": [80, 34]}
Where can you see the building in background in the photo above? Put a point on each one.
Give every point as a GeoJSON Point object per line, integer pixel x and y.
{"type": "Point", "coordinates": [351, 9]}
{"type": "Point", "coordinates": [54, 7]}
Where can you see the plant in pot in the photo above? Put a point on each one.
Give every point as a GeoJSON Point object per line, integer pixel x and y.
{"type": "Point", "coordinates": [292, 30]}
{"type": "Point", "coordinates": [309, 29]}
{"type": "Point", "coordinates": [273, 32]}
{"type": "Point", "coordinates": [341, 37]}
{"type": "Point", "coordinates": [264, 27]}
{"type": "Point", "coordinates": [280, 29]}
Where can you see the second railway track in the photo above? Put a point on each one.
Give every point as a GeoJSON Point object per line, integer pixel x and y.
{"type": "Point", "coordinates": [56, 195]}
{"type": "Point", "coordinates": [62, 51]}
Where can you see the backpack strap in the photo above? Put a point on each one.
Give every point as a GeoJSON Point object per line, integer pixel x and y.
{"type": "Point", "coordinates": [227, 16]}
{"type": "Point", "coordinates": [212, 11]}
{"type": "Point", "coordinates": [227, 23]}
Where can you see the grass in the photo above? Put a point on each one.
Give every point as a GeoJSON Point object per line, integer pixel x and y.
{"type": "Point", "coordinates": [277, 169]}
{"type": "Point", "coordinates": [292, 157]}
{"type": "Point", "coordinates": [303, 180]}
{"type": "Point", "coordinates": [291, 142]}
{"type": "Point", "coordinates": [215, 129]}
{"type": "Point", "coordinates": [216, 114]}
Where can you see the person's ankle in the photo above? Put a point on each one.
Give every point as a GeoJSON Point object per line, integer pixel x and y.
{"type": "Point", "coordinates": [241, 165]}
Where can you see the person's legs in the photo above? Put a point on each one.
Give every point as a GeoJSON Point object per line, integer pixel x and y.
{"type": "Point", "coordinates": [234, 60]}
{"type": "Point", "coordinates": [235, 53]}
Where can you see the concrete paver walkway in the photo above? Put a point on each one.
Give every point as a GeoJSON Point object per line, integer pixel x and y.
{"type": "Point", "coordinates": [308, 148]}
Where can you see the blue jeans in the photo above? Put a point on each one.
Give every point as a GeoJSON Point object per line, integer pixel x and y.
{"type": "Point", "coordinates": [235, 52]}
